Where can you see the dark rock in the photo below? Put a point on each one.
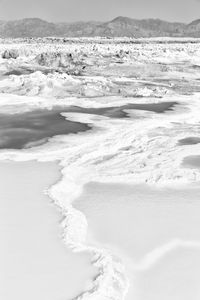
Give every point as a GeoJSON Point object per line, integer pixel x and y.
{"type": "Point", "coordinates": [13, 53]}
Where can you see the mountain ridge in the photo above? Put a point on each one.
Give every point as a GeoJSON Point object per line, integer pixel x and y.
{"type": "Point", "coordinates": [118, 27]}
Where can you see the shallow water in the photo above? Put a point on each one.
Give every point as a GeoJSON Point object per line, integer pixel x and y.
{"type": "Point", "coordinates": [34, 262]}
{"type": "Point", "coordinates": [18, 72]}
{"type": "Point", "coordinates": [192, 161]}
{"type": "Point", "coordinates": [189, 141]}
{"type": "Point", "coordinates": [155, 232]}
{"type": "Point", "coordinates": [35, 127]}
{"type": "Point", "coordinates": [119, 112]}
{"type": "Point", "coordinates": [27, 71]}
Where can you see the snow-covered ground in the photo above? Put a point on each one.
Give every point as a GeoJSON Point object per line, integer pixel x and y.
{"type": "Point", "coordinates": [143, 148]}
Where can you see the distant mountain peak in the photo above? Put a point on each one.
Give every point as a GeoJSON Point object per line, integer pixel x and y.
{"type": "Point", "coordinates": [194, 23]}
{"type": "Point", "coordinates": [33, 19]}
{"type": "Point", "coordinates": [121, 19]}
{"type": "Point", "coordinates": [30, 20]}
{"type": "Point", "coordinates": [118, 27]}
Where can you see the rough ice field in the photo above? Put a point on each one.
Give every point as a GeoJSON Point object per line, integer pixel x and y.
{"type": "Point", "coordinates": [144, 148]}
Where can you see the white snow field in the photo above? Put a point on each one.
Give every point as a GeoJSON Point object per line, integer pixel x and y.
{"type": "Point", "coordinates": [129, 190]}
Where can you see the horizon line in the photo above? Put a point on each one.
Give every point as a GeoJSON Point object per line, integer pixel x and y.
{"type": "Point", "coordinates": [87, 21]}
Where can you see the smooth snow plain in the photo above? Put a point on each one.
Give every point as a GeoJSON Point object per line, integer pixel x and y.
{"type": "Point", "coordinates": [141, 149]}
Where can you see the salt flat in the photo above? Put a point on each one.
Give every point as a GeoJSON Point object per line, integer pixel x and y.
{"type": "Point", "coordinates": [129, 187]}
{"type": "Point", "coordinates": [154, 231]}
{"type": "Point", "coordinates": [34, 262]}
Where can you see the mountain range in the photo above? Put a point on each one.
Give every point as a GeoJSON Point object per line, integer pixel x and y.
{"type": "Point", "coordinates": [118, 27]}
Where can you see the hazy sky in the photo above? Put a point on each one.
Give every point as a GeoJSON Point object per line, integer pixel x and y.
{"type": "Point", "coordinates": [101, 10]}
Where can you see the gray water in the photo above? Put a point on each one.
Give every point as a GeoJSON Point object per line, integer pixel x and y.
{"type": "Point", "coordinates": [189, 141]}
{"type": "Point", "coordinates": [23, 130]}
{"type": "Point", "coordinates": [119, 112]}
{"type": "Point", "coordinates": [192, 161]}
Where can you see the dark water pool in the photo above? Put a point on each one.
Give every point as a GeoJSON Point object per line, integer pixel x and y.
{"type": "Point", "coordinates": [192, 161]}
{"type": "Point", "coordinates": [24, 130]}
{"type": "Point", "coordinates": [119, 112]}
{"type": "Point", "coordinates": [18, 72]}
{"type": "Point", "coordinates": [189, 141]}
{"type": "Point", "coordinates": [31, 128]}
{"type": "Point", "coordinates": [26, 71]}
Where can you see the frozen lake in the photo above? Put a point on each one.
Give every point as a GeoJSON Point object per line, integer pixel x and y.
{"type": "Point", "coordinates": [34, 262]}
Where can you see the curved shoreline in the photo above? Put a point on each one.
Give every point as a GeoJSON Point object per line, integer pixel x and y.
{"type": "Point", "coordinates": [74, 226]}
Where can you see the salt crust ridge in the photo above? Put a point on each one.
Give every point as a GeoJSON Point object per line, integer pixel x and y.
{"type": "Point", "coordinates": [127, 151]}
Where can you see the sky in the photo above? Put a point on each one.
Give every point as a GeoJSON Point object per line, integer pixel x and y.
{"type": "Point", "coordinates": [100, 10]}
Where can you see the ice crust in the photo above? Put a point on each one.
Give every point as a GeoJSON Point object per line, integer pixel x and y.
{"type": "Point", "coordinates": [142, 150]}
